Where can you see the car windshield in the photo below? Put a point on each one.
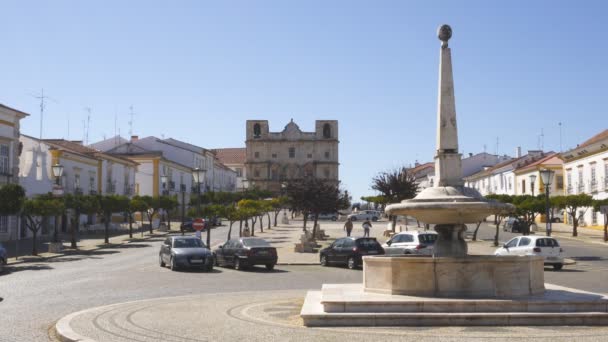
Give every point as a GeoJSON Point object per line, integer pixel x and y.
{"type": "Point", "coordinates": [427, 238]}
{"type": "Point", "coordinates": [367, 243]}
{"type": "Point", "coordinates": [255, 243]}
{"type": "Point", "coordinates": [187, 243]}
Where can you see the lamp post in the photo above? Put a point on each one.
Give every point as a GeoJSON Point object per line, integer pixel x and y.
{"type": "Point", "coordinates": [547, 177]}
{"type": "Point", "coordinates": [57, 191]}
{"type": "Point", "coordinates": [199, 176]}
{"type": "Point", "coordinates": [163, 181]}
{"type": "Point", "coordinates": [532, 181]}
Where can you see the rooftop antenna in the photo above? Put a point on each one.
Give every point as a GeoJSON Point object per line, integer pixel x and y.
{"type": "Point", "coordinates": [497, 143]}
{"type": "Point", "coordinates": [68, 138]}
{"type": "Point", "coordinates": [88, 127]}
{"type": "Point", "coordinates": [542, 139]}
{"type": "Point", "coordinates": [484, 148]}
{"type": "Point", "coordinates": [131, 114]}
{"type": "Point", "coordinates": [560, 136]}
{"type": "Point", "coordinates": [41, 97]}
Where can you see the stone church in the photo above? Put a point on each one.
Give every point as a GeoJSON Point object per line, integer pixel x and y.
{"type": "Point", "coordinates": [274, 157]}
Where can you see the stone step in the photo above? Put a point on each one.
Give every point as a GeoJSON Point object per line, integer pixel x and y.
{"type": "Point", "coordinates": [314, 315]}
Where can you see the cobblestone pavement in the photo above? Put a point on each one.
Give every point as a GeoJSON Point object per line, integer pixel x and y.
{"type": "Point", "coordinates": [274, 316]}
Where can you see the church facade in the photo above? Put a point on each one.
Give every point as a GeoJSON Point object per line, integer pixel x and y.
{"type": "Point", "coordinates": [275, 157]}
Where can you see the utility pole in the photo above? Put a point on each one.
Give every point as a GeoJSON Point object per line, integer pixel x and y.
{"type": "Point", "coordinates": [560, 137]}
{"type": "Point", "coordinates": [41, 97]}
{"type": "Point", "coordinates": [88, 128]}
{"type": "Point", "coordinates": [131, 114]}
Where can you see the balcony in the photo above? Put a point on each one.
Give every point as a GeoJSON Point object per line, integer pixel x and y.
{"type": "Point", "coordinates": [110, 187]}
{"type": "Point", "coordinates": [593, 186]}
{"type": "Point", "coordinates": [128, 190]}
{"type": "Point", "coordinates": [93, 192]}
{"type": "Point", "coordinates": [580, 189]}
{"type": "Point", "coordinates": [569, 190]}
{"type": "Point", "coordinates": [78, 190]}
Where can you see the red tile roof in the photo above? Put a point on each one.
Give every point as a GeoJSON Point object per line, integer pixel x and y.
{"type": "Point", "coordinates": [600, 136]}
{"type": "Point", "coordinates": [231, 155]}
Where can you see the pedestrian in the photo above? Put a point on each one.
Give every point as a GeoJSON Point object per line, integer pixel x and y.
{"type": "Point", "coordinates": [366, 227]}
{"type": "Point", "coordinates": [348, 226]}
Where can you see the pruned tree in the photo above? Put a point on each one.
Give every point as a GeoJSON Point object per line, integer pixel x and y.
{"type": "Point", "coordinates": [251, 210]}
{"type": "Point", "coordinates": [168, 204]}
{"type": "Point", "coordinates": [80, 205]}
{"type": "Point", "coordinates": [153, 207]}
{"type": "Point", "coordinates": [277, 204]}
{"type": "Point", "coordinates": [571, 204]}
{"type": "Point", "coordinates": [108, 205]}
{"type": "Point", "coordinates": [35, 210]}
{"type": "Point", "coordinates": [395, 186]}
{"type": "Point", "coordinates": [500, 214]}
{"type": "Point", "coordinates": [136, 204]}
{"type": "Point", "coordinates": [12, 198]}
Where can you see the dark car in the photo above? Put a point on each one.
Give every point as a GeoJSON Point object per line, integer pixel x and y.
{"type": "Point", "coordinates": [349, 251]}
{"type": "Point", "coordinates": [213, 221]}
{"type": "Point", "coordinates": [3, 258]}
{"type": "Point", "coordinates": [187, 224]}
{"type": "Point", "coordinates": [245, 252]}
{"type": "Point", "coordinates": [185, 252]}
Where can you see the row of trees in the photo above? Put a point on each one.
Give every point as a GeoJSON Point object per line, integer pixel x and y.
{"type": "Point", "coordinates": [393, 186]}
{"type": "Point", "coordinates": [529, 207]}
{"type": "Point", "coordinates": [36, 210]}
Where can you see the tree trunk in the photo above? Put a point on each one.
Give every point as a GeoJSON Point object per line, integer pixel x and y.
{"type": "Point", "coordinates": [314, 226]}
{"type": "Point", "coordinates": [394, 222]}
{"type": "Point", "coordinates": [73, 229]}
{"type": "Point", "coordinates": [605, 227]}
{"type": "Point", "coordinates": [208, 227]}
{"type": "Point", "coordinates": [229, 231]}
{"type": "Point", "coordinates": [476, 229]}
{"type": "Point", "coordinates": [305, 220]}
{"type": "Point", "coordinates": [107, 229]}
{"type": "Point", "coordinates": [574, 223]}
{"type": "Point", "coordinates": [240, 228]}
{"type": "Point", "coordinates": [150, 216]}
{"type": "Point", "coordinates": [253, 220]}
{"type": "Point", "coordinates": [130, 226]}
{"type": "Point", "coordinates": [262, 223]}
{"type": "Point", "coordinates": [276, 216]}
{"type": "Point", "coordinates": [168, 221]}
{"type": "Point", "coordinates": [269, 220]}
{"type": "Point", "coordinates": [417, 223]}
{"type": "Point", "coordinates": [497, 231]}
{"type": "Point", "coordinates": [34, 244]}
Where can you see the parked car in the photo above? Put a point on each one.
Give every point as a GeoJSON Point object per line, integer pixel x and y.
{"type": "Point", "coordinates": [213, 221]}
{"type": "Point", "coordinates": [546, 247]}
{"type": "Point", "coordinates": [349, 251]}
{"type": "Point", "coordinates": [365, 215]}
{"type": "Point", "coordinates": [186, 252]}
{"type": "Point", "coordinates": [516, 225]}
{"type": "Point", "coordinates": [411, 243]}
{"type": "Point", "coordinates": [187, 224]}
{"type": "Point", "coordinates": [3, 258]}
{"type": "Point", "coordinates": [558, 217]}
{"type": "Point", "coordinates": [325, 216]}
{"type": "Point", "coordinates": [242, 253]}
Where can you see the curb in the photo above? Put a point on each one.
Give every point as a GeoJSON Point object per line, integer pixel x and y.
{"type": "Point", "coordinates": [59, 255]}
{"type": "Point", "coordinates": [298, 264]}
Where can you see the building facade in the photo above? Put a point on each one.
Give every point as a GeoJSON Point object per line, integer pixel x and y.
{"type": "Point", "coordinates": [234, 158]}
{"type": "Point", "coordinates": [586, 171]}
{"type": "Point", "coordinates": [274, 157]}
{"type": "Point", "coordinates": [10, 151]}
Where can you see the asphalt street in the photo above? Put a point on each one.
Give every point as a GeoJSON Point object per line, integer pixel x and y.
{"type": "Point", "coordinates": [37, 294]}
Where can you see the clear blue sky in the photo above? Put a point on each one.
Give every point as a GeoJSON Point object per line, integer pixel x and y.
{"type": "Point", "coordinates": [196, 70]}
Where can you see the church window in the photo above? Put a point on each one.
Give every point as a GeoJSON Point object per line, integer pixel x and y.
{"type": "Point", "coordinates": [326, 131]}
{"type": "Point", "coordinates": [292, 152]}
{"type": "Point", "coordinates": [257, 130]}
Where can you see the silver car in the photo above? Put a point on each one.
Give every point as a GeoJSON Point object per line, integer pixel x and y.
{"type": "Point", "coordinates": [415, 242]}
{"type": "Point", "coordinates": [363, 215]}
{"type": "Point", "coordinates": [186, 252]}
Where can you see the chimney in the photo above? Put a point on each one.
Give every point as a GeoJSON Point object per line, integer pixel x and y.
{"type": "Point", "coordinates": [134, 138]}
{"type": "Point", "coordinates": [518, 152]}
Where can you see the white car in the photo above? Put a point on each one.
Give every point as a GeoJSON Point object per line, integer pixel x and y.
{"type": "Point", "coordinates": [546, 247]}
{"type": "Point", "coordinates": [362, 215]}
{"type": "Point", "coordinates": [411, 243]}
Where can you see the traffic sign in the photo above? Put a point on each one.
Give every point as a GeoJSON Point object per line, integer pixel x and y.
{"type": "Point", "coordinates": [198, 224]}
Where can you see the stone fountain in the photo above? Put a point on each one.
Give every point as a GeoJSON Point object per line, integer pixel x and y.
{"type": "Point", "coordinates": [451, 287]}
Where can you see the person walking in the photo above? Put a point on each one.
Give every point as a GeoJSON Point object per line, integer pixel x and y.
{"type": "Point", "coordinates": [348, 226]}
{"type": "Point", "coordinates": [366, 227]}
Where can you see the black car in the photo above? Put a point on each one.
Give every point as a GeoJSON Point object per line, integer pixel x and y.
{"type": "Point", "coordinates": [245, 252]}
{"type": "Point", "coordinates": [213, 221]}
{"type": "Point", "coordinates": [349, 251]}
{"type": "Point", "coordinates": [186, 252]}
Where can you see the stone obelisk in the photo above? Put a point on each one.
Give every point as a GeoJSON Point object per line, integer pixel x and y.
{"type": "Point", "coordinates": [448, 168]}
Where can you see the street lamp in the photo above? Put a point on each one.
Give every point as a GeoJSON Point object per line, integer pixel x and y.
{"type": "Point", "coordinates": [532, 179]}
{"type": "Point", "coordinates": [547, 176]}
{"type": "Point", "coordinates": [57, 172]}
{"type": "Point", "coordinates": [199, 176]}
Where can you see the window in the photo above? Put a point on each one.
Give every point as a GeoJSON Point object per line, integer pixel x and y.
{"type": "Point", "coordinates": [326, 173]}
{"type": "Point", "coordinates": [4, 158]}
{"type": "Point", "coordinates": [593, 217]}
{"type": "Point", "coordinates": [292, 152]}
{"type": "Point", "coordinates": [593, 177]}
{"type": "Point", "coordinates": [581, 184]}
{"type": "Point", "coordinates": [3, 224]}
{"type": "Point", "coordinates": [256, 173]}
{"type": "Point", "coordinates": [310, 156]}
{"type": "Point", "coordinates": [559, 182]}
{"type": "Point", "coordinates": [326, 154]}
{"type": "Point", "coordinates": [76, 181]}
{"type": "Point", "coordinates": [524, 241]}
{"type": "Point", "coordinates": [274, 155]}
{"type": "Point", "coordinates": [404, 238]}
{"type": "Point", "coordinates": [569, 181]}
{"type": "Point", "coordinates": [256, 154]}
{"type": "Point", "coordinates": [510, 183]}
{"type": "Point", "coordinates": [326, 131]}
{"type": "Point", "coordinates": [239, 172]}
{"type": "Point", "coordinates": [512, 243]}
{"type": "Point", "coordinates": [257, 130]}
{"type": "Point", "coordinates": [92, 186]}
{"type": "Point", "coordinates": [523, 186]}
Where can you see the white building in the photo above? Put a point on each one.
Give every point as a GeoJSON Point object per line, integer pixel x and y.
{"type": "Point", "coordinates": [529, 182]}
{"type": "Point", "coordinates": [10, 150]}
{"type": "Point", "coordinates": [234, 158]}
{"type": "Point", "coordinates": [586, 170]}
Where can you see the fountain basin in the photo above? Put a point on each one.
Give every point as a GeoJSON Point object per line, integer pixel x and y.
{"type": "Point", "coordinates": [474, 276]}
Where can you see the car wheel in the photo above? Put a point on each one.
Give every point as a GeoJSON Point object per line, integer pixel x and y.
{"type": "Point", "coordinates": [209, 268]}
{"type": "Point", "coordinates": [374, 219]}
{"type": "Point", "coordinates": [172, 264]}
{"type": "Point", "coordinates": [270, 267]}
{"type": "Point", "coordinates": [160, 261]}
{"type": "Point", "coordinates": [557, 267]}
{"type": "Point", "coordinates": [215, 262]}
{"type": "Point", "coordinates": [2, 263]}
{"type": "Point", "coordinates": [353, 219]}
{"type": "Point", "coordinates": [351, 263]}
{"type": "Point", "coordinates": [323, 260]}
{"type": "Point", "coordinates": [334, 218]}
{"type": "Point", "coordinates": [557, 220]}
